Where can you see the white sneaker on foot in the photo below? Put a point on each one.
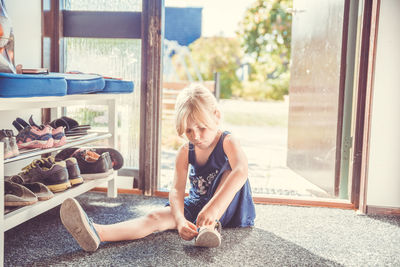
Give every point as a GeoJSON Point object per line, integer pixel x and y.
{"type": "Point", "coordinates": [209, 237]}
{"type": "Point", "coordinates": [79, 225]}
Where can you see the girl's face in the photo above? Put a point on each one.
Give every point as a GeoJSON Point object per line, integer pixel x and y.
{"type": "Point", "coordinates": [200, 135]}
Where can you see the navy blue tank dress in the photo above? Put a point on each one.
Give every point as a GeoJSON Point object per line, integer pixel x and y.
{"type": "Point", "coordinates": [204, 181]}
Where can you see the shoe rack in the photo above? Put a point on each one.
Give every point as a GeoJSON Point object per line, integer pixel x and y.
{"type": "Point", "coordinates": [23, 214]}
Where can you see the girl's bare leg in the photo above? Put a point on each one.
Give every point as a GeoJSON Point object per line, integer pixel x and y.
{"type": "Point", "coordinates": [159, 220]}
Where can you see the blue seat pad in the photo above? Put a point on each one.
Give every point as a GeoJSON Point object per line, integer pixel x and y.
{"type": "Point", "coordinates": [81, 83]}
{"type": "Point", "coordinates": [114, 86]}
{"type": "Point", "coordinates": [25, 85]}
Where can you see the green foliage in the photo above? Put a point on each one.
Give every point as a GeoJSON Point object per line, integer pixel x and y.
{"type": "Point", "coordinates": [266, 30]}
{"type": "Point", "coordinates": [266, 38]}
{"type": "Point", "coordinates": [216, 54]}
{"type": "Point", "coordinates": [258, 90]}
{"type": "Point", "coordinates": [87, 116]}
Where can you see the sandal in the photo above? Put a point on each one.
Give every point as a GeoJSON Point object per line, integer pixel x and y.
{"type": "Point", "coordinates": [16, 195]}
{"type": "Point", "coordinates": [69, 124]}
{"type": "Point", "coordinates": [209, 238]}
{"type": "Point", "coordinates": [41, 191]}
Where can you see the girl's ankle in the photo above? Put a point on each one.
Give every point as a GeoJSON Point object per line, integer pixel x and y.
{"type": "Point", "coordinates": [99, 231]}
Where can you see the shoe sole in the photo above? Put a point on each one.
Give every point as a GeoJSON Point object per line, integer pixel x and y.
{"type": "Point", "coordinates": [94, 176]}
{"type": "Point", "coordinates": [18, 204]}
{"type": "Point", "coordinates": [208, 238]}
{"type": "Point", "coordinates": [61, 142]}
{"type": "Point", "coordinates": [59, 187]}
{"type": "Point", "coordinates": [15, 152]}
{"type": "Point", "coordinates": [74, 219]}
{"type": "Point", "coordinates": [8, 155]}
{"type": "Point", "coordinates": [36, 144]}
{"type": "Point", "coordinates": [44, 198]}
{"type": "Point", "coordinates": [76, 181]}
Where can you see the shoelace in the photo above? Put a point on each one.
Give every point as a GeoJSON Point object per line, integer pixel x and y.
{"type": "Point", "coordinates": [33, 165]}
{"type": "Point", "coordinates": [51, 159]}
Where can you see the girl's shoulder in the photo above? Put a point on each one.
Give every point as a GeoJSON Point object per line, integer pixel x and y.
{"type": "Point", "coordinates": [230, 141]}
{"type": "Point", "coordinates": [184, 148]}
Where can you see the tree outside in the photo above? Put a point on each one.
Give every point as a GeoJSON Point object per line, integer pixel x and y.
{"type": "Point", "coordinates": [261, 49]}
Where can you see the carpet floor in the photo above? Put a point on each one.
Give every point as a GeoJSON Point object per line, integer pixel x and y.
{"type": "Point", "coordinates": [282, 236]}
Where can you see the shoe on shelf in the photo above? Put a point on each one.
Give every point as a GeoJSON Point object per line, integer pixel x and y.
{"type": "Point", "coordinates": [59, 136]}
{"type": "Point", "coordinates": [58, 133]}
{"type": "Point", "coordinates": [16, 195]}
{"type": "Point", "coordinates": [69, 123]}
{"type": "Point", "coordinates": [52, 175]}
{"type": "Point", "coordinates": [11, 144]}
{"type": "Point", "coordinates": [72, 127]}
{"type": "Point", "coordinates": [32, 137]}
{"type": "Point", "coordinates": [209, 237]}
{"type": "Point", "coordinates": [41, 191]}
{"type": "Point", "coordinates": [93, 165]}
{"type": "Point", "coordinates": [117, 160]}
{"type": "Point", "coordinates": [74, 173]}
{"type": "Point", "coordinates": [7, 148]}
{"type": "Point", "coordinates": [78, 224]}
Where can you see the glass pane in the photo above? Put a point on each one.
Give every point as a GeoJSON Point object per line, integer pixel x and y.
{"type": "Point", "coordinates": [118, 58]}
{"type": "Point", "coordinates": [314, 91]}
{"type": "Point", "coordinates": [104, 5]}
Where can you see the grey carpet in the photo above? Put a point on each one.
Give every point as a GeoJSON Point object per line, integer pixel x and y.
{"type": "Point", "coordinates": [282, 236]}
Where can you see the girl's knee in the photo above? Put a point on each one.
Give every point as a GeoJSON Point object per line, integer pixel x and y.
{"type": "Point", "coordinates": [160, 221]}
{"type": "Point", "coordinates": [153, 217]}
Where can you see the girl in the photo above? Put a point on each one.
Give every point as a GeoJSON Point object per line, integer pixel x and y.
{"type": "Point", "coordinates": [220, 192]}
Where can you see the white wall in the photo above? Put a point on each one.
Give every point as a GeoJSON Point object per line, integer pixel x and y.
{"type": "Point", "coordinates": [26, 20]}
{"type": "Point", "coordinates": [384, 159]}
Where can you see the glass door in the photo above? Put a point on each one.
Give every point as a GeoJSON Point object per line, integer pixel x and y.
{"type": "Point", "coordinates": [316, 92]}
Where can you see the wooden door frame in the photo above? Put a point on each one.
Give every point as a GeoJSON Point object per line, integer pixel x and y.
{"type": "Point", "coordinates": [151, 91]}
{"type": "Point", "coordinates": [364, 103]}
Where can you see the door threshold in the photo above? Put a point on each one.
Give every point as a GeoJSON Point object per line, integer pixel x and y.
{"type": "Point", "coordinates": [304, 201]}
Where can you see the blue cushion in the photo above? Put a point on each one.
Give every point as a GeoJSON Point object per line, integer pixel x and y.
{"type": "Point", "coordinates": [81, 83]}
{"type": "Point", "coordinates": [114, 86]}
{"type": "Point", "coordinates": [25, 85]}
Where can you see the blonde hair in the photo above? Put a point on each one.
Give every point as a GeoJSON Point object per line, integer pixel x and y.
{"type": "Point", "coordinates": [196, 103]}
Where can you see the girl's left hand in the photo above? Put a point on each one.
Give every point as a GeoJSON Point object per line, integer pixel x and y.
{"type": "Point", "coordinates": [207, 216]}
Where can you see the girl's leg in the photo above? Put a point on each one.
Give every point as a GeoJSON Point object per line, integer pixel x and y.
{"type": "Point", "coordinates": [159, 220]}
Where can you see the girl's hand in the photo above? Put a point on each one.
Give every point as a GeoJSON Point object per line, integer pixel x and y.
{"type": "Point", "coordinates": [207, 216]}
{"type": "Point", "coordinates": [186, 229]}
